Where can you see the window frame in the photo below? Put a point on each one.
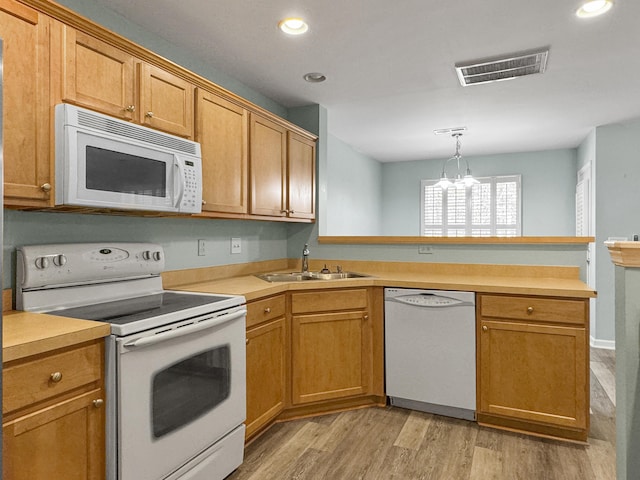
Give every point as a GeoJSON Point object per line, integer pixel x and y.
{"type": "Point", "coordinates": [446, 228]}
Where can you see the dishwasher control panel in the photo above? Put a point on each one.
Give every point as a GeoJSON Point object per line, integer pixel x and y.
{"type": "Point", "coordinates": [429, 298]}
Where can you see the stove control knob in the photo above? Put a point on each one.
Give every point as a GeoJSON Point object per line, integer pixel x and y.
{"type": "Point", "coordinates": [157, 256]}
{"type": "Point", "coordinates": [59, 260]}
{"type": "Point", "coordinates": [42, 263]}
{"type": "Point", "coordinates": [146, 255]}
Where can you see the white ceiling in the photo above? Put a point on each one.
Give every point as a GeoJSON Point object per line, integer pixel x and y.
{"type": "Point", "coordinates": [390, 66]}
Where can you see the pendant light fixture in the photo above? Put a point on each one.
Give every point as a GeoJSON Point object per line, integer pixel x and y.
{"type": "Point", "coordinates": [459, 181]}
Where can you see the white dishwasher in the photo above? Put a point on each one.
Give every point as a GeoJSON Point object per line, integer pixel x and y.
{"type": "Point", "coordinates": [430, 351]}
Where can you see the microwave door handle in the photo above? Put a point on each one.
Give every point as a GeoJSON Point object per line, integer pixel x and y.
{"type": "Point", "coordinates": [180, 194]}
{"type": "Point", "coordinates": [182, 331]}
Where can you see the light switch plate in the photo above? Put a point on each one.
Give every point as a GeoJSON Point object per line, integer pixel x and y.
{"type": "Point", "coordinates": [428, 249]}
{"type": "Point", "coordinates": [201, 247]}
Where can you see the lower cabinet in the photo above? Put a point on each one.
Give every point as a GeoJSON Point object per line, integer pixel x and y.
{"type": "Point", "coordinates": [331, 346]}
{"type": "Point", "coordinates": [533, 364]}
{"type": "Point", "coordinates": [266, 362]}
{"type": "Point", "coordinates": [54, 415]}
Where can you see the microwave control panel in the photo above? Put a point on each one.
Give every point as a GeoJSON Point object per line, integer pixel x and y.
{"type": "Point", "coordinates": [191, 201]}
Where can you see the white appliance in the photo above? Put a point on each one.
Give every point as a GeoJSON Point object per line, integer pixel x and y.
{"type": "Point", "coordinates": [430, 351]}
{"type": "Point", "coordinates": [107, 163]}
{"type": "Point", "coordinates": [175, 361]}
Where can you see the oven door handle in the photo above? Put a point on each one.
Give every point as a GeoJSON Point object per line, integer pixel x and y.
{"type": "Point", "coordinates": [182, 331]}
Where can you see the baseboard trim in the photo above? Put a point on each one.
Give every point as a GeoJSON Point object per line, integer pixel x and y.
{"type": "Point", "coordinates": [606, 344]}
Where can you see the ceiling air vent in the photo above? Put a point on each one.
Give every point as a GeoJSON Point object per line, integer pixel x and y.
{"type": "Point", "coordinates": [502, 68]}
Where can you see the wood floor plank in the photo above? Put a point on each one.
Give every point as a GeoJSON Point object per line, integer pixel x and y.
{"type": "Point", "coordinates": [486, 464]}
{"type": "Point", "coordinates": [397, 444]}
{"type": "Point", "coordinates": [606, 379]}
{"type": "Point", "coordinates": [602, 456]}
{"type": "Point", "coordinates": [413, 431]}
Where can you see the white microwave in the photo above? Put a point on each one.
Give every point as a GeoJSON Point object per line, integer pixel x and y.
{"type": "Point", "coordinates": [107, 163]}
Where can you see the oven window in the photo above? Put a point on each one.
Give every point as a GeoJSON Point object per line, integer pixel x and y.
{"type": "Point", "coordinates": [112, 171]}
{"type": "Point", "coordinates": [188, 389]}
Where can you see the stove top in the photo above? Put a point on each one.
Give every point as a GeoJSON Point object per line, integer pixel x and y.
{"type": "Point", "coordinates": [116, 283]}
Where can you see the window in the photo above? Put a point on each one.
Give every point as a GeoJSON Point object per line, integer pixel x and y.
{"type": "Point", "coordinates": [488, 209]}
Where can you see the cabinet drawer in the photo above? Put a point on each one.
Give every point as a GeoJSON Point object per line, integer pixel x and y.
{"type": "Point", "coordinates": [329, 300]}
{"type": "Point", "coordinates": [33, 381]}
{"type": "Point", "coordinates": [263, 310]}
{"type": "Point", "coordinates": [551, 310]}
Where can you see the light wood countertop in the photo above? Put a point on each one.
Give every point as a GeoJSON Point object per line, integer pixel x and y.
{"type": "Point", "coordinates": [25, 334]}
{"type": "Point", "coordinates": [544, 281]}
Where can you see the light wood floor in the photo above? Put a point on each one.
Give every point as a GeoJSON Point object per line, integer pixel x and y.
{"type": "Point", "coordinates": [396, 444]}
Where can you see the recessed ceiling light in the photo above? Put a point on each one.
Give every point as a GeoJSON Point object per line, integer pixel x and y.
{"type": "Point", "coordinates": [593, 8]}
{"type": "Point", "coordinates": [314, 77]}
{"type": "Point", "coordinates": [293, 26]}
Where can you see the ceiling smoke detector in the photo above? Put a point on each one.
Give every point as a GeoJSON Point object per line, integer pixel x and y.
{"type": "Point", "coordinates": [506, 67]}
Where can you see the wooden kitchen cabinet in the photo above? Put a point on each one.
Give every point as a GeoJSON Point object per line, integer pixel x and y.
{"type": "Point", "coordinates": [282, 171]}
{"type": "Point", "coordinates": [301, 178]}
{"type": "Point", "coordinates": [26, 115]}
{"type": "Point", "coordinates": [331, 345]}
{"type": "Point", "coordinates": [266, 362]}
{"type": "Point", "coordinates": [54, 415]}
{"type": "Point", "coordinates": [104, 78]}
{"type": "Point", "coordinates": [533, 364]}
{"type": "Point", "coordinates": [222, 128]}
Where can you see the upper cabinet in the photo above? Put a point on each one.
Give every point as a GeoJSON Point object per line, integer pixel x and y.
{"type": "Point", "coordinates": [255, 165]}
{"type": "Point", "coordinates": [104, 78]}
{"type": "Point", "coordinates": [26, 125]}
{"type": "Point", "coordinates": [282, 171]}
{"type": "Point", "coordinates": [222, 128]}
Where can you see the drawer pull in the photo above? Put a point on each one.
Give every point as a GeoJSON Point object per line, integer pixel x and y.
{"type": "Point", "coordinates": [267, 310]}
{"type": "Point", "coordinates": [485, 328]}
{"type": "Point", "coordinates": [55, 377]}
{"type": "Point", "coordinates": [98, 403]}
{"type": "Point", "coordinates": [529, 310]}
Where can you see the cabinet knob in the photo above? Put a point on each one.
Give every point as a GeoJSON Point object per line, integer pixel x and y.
{"type": "Point", "coordinates": [131, 108]}
{"type": "Point", "coordinates": [55, 377]}
{"type": "Point", "coordinates": [529, 310]}
{"type": "Point", "coordinates": [267, 310]}
{"type": "Point", "coordinates": [204, 202]}
{"type": "Point", "coordinates": [485, 328]}
{"type": "Point", "coordinates": [291, 212]}
{"type": "Point", "coordinates": [45, 187]}
{"type": "Point", "coordinates": [246, 342]}
{"type": "Point", "coordinates": [365, 317]}
{"type": "Point", "coordinates": [98, 403]}
{"type": "Point", "coordinates": [149, 114]}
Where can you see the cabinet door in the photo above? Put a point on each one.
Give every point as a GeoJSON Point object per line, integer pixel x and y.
{"type": "Point", "coordinates": [97, 75]}
{"type": "Point", "coordinates": [330, 356]}
{"type": "Point", "coordinates": [26, 113]}
{"type": "Point", "coordinates": [301, 177]}
{"type": "Point", "coordinates": [222, 130]}
{"type": "Point", "coordinates": [268, 167]}
{"type": "Point", "coordinates": [166, 101]}
{"type": "Point", "coordinates": [534, 373]}
{"type": "Point", "coordinates": [65, 440]}
{"type": "Point", "coordinates": [265, 373]}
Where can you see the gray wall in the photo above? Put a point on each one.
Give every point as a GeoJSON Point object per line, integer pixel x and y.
{"type": "Point", "coordinates": [617, 198]}
{"type": "Point", "coordinates": [548, 190]}
{"type": "Point", "coordinates": [354, 183]}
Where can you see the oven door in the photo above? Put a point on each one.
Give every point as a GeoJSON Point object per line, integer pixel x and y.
{"type": "Point", "coordinates": [178, 392]}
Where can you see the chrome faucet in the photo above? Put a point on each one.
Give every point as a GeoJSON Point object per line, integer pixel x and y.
{"type": "Point", "coordinates": [305, 258]}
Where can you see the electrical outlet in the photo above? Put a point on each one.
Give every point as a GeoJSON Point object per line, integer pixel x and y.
{"type": "Point", "coordinates": [236, 245]}
{"type": "Point", "coordinates": [428, 249]}
{"type": "Point", "coordinates": [201, 248]}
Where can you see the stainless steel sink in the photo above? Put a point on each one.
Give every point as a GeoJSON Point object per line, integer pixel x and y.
{"type": "Point", "coordinates": [337, 275]}
{"type": "Point", "coordinates": [286, 277]}
{"type": "Point", "coordinates": [304, 276]}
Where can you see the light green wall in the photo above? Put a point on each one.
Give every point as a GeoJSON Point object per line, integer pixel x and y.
{"type": "Point", "coordinates": [617, 198]}
{"type": "Point", "coordinates": [548, 190]}
{"type": "Point", "coordinates": [354, 182]}
{"type": "Point", "coordinates": [178, 236]}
